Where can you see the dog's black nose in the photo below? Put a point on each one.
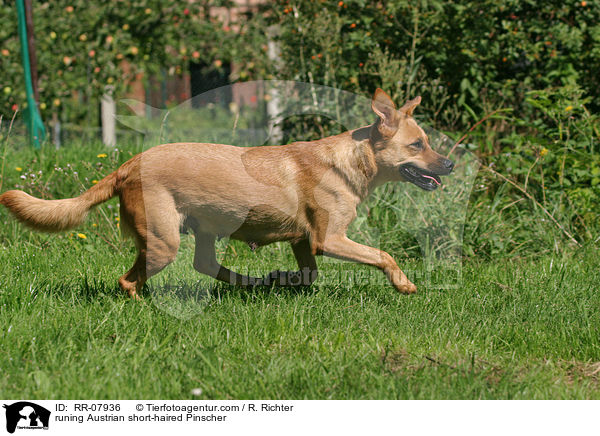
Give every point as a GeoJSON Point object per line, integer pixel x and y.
{"type": "Point", "coordinates": [448, 164]}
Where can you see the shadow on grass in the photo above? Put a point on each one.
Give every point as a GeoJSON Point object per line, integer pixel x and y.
{"type": "Point", "coordinates": [184, 300]}
{"type": "Point", "coordinates": [196, 291]}
{"type": "Point", "coordinates": [91, 289]}
{"type": "Point", "coordinates": [87, 289]}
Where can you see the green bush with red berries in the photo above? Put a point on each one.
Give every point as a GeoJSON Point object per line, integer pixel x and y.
{"type": "Point", "coordinates": [82, 47]}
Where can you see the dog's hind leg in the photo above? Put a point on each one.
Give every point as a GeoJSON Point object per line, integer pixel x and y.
{"type": "Point", "coordinates": [307, 265]}
{"type": "Point", "coordinates": [205, 262]}
{"type": "Point", "coordinates": [155, 253]}
{"type": "Point", "coordinates": [156, 233]}
{"type": "Point", "coordinates": [133, 280]}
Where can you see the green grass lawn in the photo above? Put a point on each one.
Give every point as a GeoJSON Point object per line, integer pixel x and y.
{"type": "Point", "coordinates": [514, 329]}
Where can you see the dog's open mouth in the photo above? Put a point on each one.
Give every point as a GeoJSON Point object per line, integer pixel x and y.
{"type": "Point", "coordinates": [418, 176]}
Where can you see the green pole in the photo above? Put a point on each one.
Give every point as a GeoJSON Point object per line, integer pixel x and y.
{"type": "Point", "coordinates": [33, 120]}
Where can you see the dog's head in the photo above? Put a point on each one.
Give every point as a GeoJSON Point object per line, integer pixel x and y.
{"type": "Point", "coordinates": [402, 149]}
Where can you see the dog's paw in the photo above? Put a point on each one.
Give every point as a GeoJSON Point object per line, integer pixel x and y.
{"type": "Point", "coordinates": [406, 288]}
{"type": "Point", "coordinates": [399, 280]}
{"type": "Point", "coordinates": [134, 296]}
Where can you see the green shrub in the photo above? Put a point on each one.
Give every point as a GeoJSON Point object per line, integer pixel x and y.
{"type": "Point", "coordinates": [465, 58]}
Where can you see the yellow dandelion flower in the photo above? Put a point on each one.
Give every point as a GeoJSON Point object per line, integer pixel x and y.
{"type": "Point", "coordinates": [102, 155]}
{"type": "Point", "coordinates": [544, 152]}
{"type": "Point", "coordinates": [94, 181]}
{"type": "Point", "coordinates": [94, 225]}
{"type": "Point", "coordinates": [19, 169]}
{"type": "Point", "coordinates": [81, 236]}
{"type": "Point", "coordinates": [568, 108]}
{"type": "Point", "coordinates": [117, 219]}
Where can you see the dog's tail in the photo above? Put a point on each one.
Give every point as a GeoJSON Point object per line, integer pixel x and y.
{"type": "Point", "coordinates": [57, 215]}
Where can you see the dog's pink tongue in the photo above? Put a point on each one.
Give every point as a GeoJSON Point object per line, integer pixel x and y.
{"type": "Point", "coordinates": [429, 177]}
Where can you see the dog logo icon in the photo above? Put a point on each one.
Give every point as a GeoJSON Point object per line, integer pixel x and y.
{"type": "Point", "coordinates": [26, 415]}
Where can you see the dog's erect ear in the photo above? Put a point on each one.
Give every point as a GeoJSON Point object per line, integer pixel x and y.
{"type": "Point", "coordinates": [410, 106]}
{"type": "Point", "coordinates": [385, 108]}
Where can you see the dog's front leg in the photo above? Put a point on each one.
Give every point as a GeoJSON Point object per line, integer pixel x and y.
{"type": "Point", "coordinates": [343, 248]}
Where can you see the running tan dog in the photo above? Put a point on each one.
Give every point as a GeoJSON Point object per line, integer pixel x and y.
{"type": "Point", "coordinates": [305, 193]}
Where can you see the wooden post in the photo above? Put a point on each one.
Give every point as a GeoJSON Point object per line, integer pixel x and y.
{"type": "Point", "coordinates": [56, 130]}
{"type": "Point", "coordinates": [274, 104]}
{"type": "Point", "coordinates": [108, 110]}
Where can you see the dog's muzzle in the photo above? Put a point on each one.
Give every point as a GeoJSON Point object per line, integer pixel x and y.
{"type": "Point", "coordinates": [425, 179]}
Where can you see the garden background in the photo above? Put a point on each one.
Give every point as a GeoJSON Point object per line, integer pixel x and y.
{"type": "Point", "coordinates": [528, 69]}
{"type": "Point", "coordinates": [516, 82]}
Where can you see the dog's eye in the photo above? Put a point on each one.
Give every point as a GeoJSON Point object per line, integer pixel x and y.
{"type": "Point", "coordinates": [417, 144]}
